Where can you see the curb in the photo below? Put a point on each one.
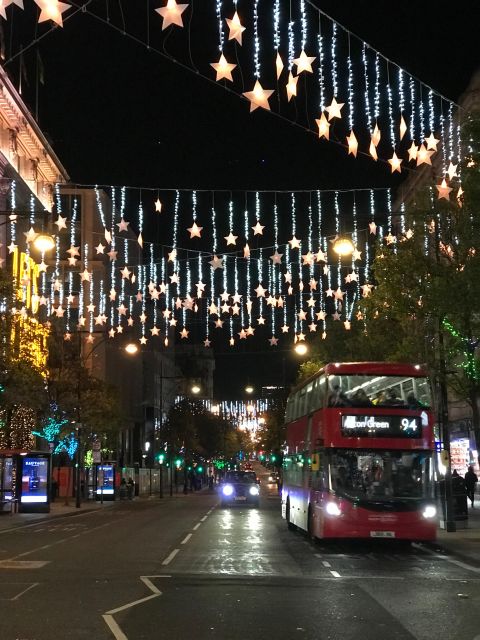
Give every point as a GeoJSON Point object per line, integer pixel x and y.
{"type": "Point", "coordinates": [439, 548]}
{"type": "Point", "coordinates": [48, 518]}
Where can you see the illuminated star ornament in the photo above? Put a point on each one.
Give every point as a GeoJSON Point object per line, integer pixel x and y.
{"type": "Point", "coordinates": [158, 206]}
{"type": "Point", "coordinates": [195, 231]}
{"type": "Point", "coordinates": [323, 127]}
{"type": "Point", "coordinates": [443, 190]}
{"type": "Point", "coordinates": [172, 14]}
{"type": "Point", "coordinates": [223, 68]}
{"type": "Point", "coordinates": [335, 109]}
{"type": "Point", "coordinates": [52, 10]}
{"type": "Point", "coordinates": [352, 144]}
{"type": "Point", "coordinates": [291, 86]}
{"type": "Point", "coordinates": [395, 163]}
{"type": "Point", "coordinates": [304, 63]}
{"type": "Point", "coordinates": [236, 28]}
{"type": "Point", "coordinates": [258, 97]}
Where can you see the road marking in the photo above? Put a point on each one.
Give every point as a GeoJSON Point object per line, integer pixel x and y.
{"type": "Point", "coordinates": [458, 563]}
{"type": "Point", "coordinates": [36, 523]}
{"type": "Point", "coordinates": [203, 519]}
{"type": "Point", "coordinates": [133, 604]}
{"type": "Point", "coordinates": [335, 574]}
{"type": "Point", "coordinates": [146, 581]}
{"type": "Point", "coordinates": [326, 564]}
{"type": "Point", "coordinates": [187, 538]}
{"type": "Point", "coordinates": [170, 557]}
{"type": "Point", "coordinates": [19, 595]}
{"type": "Point", "coordinates": [25, 564]}
{"type": "Point", "coordinates": [318, 555]}
{"type": "Point", "coordinates": [199, 524]}
{"type": "Point", "coordinates": [114, 628]}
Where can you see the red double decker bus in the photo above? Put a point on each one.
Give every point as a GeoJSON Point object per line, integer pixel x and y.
{"type": "Point", "coordinates": [358, 461]}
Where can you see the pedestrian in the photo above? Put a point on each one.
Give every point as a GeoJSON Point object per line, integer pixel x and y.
{"type": "Point", "coordinates": [123, 489]}
{"type": "Point", "coordinates": [130, 488]}
{"type": "Point", "coordinates": [470, 482]}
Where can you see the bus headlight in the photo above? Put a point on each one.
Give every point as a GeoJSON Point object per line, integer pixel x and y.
{"type": "Point", "coordinates": [333, 509]}
{"type": "Point", "coordinates": [429, 512]}
{"type": "Point", "coordinates": [254, 491]}
{"type": "Point", "coordinates": [227, 490]}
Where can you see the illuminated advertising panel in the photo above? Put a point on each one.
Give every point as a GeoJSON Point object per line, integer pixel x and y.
{"type": "Point", "coordinates": [382, 426]}
{"type": "Point", "coordinates": [105, 480]}
{"type": "Point", "coordinates": [34, 480]}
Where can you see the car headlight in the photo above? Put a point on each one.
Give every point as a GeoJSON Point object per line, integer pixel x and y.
{"type": "Point", "coordinates": [429, 512]}
{"type": "Point", "coordinates": [333, 509]}
{"type": "Point", "coordinates": [270, 479]}
{"type": "Point", "coordinates": [254, 491]}
{"type": "Point", "coordinates": [227, 490]}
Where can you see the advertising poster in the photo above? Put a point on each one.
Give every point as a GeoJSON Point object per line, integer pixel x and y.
{"type": "Point", "coordinates": [34, 480]}
{"type": "Point", "coordinates": [105, 480]}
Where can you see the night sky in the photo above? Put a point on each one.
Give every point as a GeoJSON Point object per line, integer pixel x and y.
{"type": "Point", "coordinates": [116, 113]}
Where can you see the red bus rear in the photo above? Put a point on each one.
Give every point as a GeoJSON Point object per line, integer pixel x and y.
{"type": "Point", "coordinates": [359, 453]}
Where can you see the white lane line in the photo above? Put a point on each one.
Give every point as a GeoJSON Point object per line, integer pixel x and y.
{"type": "Point", "coordinates": [326, 564]}
{"type": "Point", "coordinates": [203, 519]}
{"type": "Point", "coordinates": [335, 574]}
{"type": "Point", "coordinates": [114, 628]}
{"type": "Point", "coordinates": [19, 595]}
{"type": "Point", "coordinates": [133, 604]}
{"type": "Point", "coordinates": [146, 581]}
{"type": "Point", "coordinates": [317, 555]}
{"type": "Point", "coordinates": [170, 557]}
{"type": "Point", "coordinates": [199, 524]}
{"type": "Point", "coordinates": [458, 563]}
{"type": "Point", "coordinates": [187, 538]}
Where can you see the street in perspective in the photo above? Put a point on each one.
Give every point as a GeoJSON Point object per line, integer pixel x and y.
{"type": "Point", "coordinates": [239, 320]}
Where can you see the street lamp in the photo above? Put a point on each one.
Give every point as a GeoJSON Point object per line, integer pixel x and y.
{"type": "Point", "coordinates": [249, 389]}
{"type": "Point", "coordinates": [131, 348]}
{"type": "Point", "coordinates": [343, 246]}
{"type": "Point", "coordinates": [301, 348]}
{"type": "Point", "coordinates": [44, 242]}
{"type": "Point", "coordinates": [196, 389]}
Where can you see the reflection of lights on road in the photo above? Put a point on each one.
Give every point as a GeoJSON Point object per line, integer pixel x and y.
{"type": "Point", "coordinates": [226, 521]}
{"type": "Point", "coordinates": [254, 522]}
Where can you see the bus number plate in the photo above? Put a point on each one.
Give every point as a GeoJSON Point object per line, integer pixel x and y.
{"type": "Point", "coordinates": [382, 534]}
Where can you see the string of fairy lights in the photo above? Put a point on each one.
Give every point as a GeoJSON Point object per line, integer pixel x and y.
{"type": "Point", "coordinates": [246, 274]}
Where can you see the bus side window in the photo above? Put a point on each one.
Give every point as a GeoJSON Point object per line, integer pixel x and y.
{"type": "Point", "coordinates": [318, 471]}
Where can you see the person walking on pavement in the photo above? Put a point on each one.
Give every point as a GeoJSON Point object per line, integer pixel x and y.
{"type": "Point", "coordinates": [470, 482]}
{"type": "Point", "coordinates": [130, 488]}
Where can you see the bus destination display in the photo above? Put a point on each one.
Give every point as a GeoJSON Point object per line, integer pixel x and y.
{"type": "Point", "coordinates": [381, 426]}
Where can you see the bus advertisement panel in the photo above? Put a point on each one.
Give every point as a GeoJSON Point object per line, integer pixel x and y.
{"type": "Point", "coordinates": [359, 453]}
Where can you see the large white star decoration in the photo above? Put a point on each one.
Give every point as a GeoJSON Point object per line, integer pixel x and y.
{"type": "Point", "coordinates": [308, 258]}
{"type": "Point", "coordinates": [235, 28]}
{"type": "Point", "coordinates": [195, 231]}
{"type": "Point", "coordinates": [423, 155]}
{"type": "Point", "coordinates": [390, 239]}
{"type": "Point", "coordinates": [347, 324]}
{"type": "Point", "coordinates": [246, 251]}
{"type": "Point", "coordinates": [61, 222]}
{"type": "Point", "coordinates": [335, 109]}
{"type": "Point", "coordinates": [302, 315]}
{"type": "Point", "coordinates": [294, 243]}
{"type": "Point", "coordinates": [172, 14]}
{"type": "Point", "coordinates": [218, 323]}
{"type": "Point", "coordinates": [250, 331]}
{"type": "Point", "coordinates": [395, 163]}
{"type": "Point", "coordinates": [125, 272]}
{"type": "Point", "coordinates": [231, 239]}
{"type": "Point", "coordinates": [52, 10]}
{"type": "Point", "coordinates": [443, 190]}
{"type": "Point", "coordinates": [452, 171]}
{"type": "Point", "coordinates": [59, 311]}
{"type": "Point", "coordinates": [304, 63]}
{"type": "Point", "coordinates": [223, 68]}
{"type": "Point", "coordinates": [42, 267]}
{"type": "Point", "coordinates": [85, 275]}
{"type": "Point", "coordinates": [376, 135]}
{"type": "Point", "coordinates": [273, 341]}
{"type": "Point", "coordinates": [100, 248]}
{"type": "Point", "coordinates": [31, 234]}
{"type": "Point", "coordinates": [403, 127]}
{"type": "Point", "coordinates": [99, 319]}
{"type": "Point", "coordinates": [285, 328]}
{"type": "Point", "coordinates": [280, 302]}
{"type": "Point", "coordinates": [158, 206]}
{"type": "Point", "coordinates": [372, 227]}
{"type": "Point", "coordinates": [329, 292]}
{"type": "Point", "coordinates": [143, 340]}
{"type": "Point", "coordinates": [112, 295]}
{"type": "Point", "coordinates": [11, 247]}
{"type": "Point", "coordinates": [258, 229]}
{"type": "Point", "coordinates": [236, 298]}
{"type": "Point", "coordinates": [321, 315]}
{"type": "Point", "coordinates": [432, 142]}
{"type": "Point", "coordinates": [112, 255]}
{"type": "Point", "coordinates": [213, 309]}
{"type": "Point", "coordinates": [352, 144]}
{"type": "Point", "coordinates": [287, 276]}
{"type": "Point", "coordinates": [312, 326]}
{"type": "Point", "coordinates": [119, 329]}
{"type": "Point", "coordinates": [366, 290]}
{"type": "Point", "coordinates": [356, 255]}
{"type": "Point", "coordinates": [200, 286]}
{"type": "Point", "coordinates": [373, 151]}
{"type": "Point", "coordinates": [320, 256]}
{"type": "Point", "coordinates": [313, 284]}
{"type": "Point", "coordinates": [172, 255]}
{"type": "Point", "coordinates": [130, 322]}
{"type": "Point", "coordinates": [73, 251]}
{"type": "Point", "coordinates": [140, 239]}
{"type": "Point", "coordinates": [261, 320]}
{"type": "Point", "coordinates": [224, 296]}
{"type": "Point", "coordinates": [72, 261]}
{"type": "Point", "coordinates": [235, 310]}
{"type": "Point", "coordinates": [122, 225]}
{"type": "Point", "coordinates": [225, 307]}
{"type": "Point", "coordinates": [291, 86]}
{"type": "Point", "coordinates": [279, 65]}
{"type": "Point", "coordinates": [19, 3]}
{"type": "Point", "coordinates": [323, 127]}
{"type": "Point", "coordinates": [260, 291]}
{"type": "Point", "coordinates": [277, 257]}
{"type": "Point", "coordinates": [311, 301]}
{"type": "Point", "coordinates": [412, 152]}
{"type": "Point", "coordinates": [243, 334]}
{"type": "Point", "coordinates": [339, 294]}
{"type": "Point", "coordinates": [216, 262]}
{"type": "Point", "coordinates": [174, 278]}
{"type": "Point", "coordinates": [139, 296]}
{"type": "Point", "coordinates": [111, 333]}
{"type": "Point", "coordinates": [90, 308]}
{"type": "Point", "coordinates": [258, 97]}
{"type": "Point", "coordinates": [206, 343]}
{"type": "Point", "coordinates": [336, 315]}
{"type": "Point", "coordinates": [108, 236]}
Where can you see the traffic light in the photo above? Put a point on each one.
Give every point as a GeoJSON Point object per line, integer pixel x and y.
{"type": "Point", "coordinates": [161, 458]}
{"type": "Point", "coordinates": [200, 469]}
{"type": "Point", "coordinates": [273, 458]}
{"type": "Point", "coordinates": [178, 462]}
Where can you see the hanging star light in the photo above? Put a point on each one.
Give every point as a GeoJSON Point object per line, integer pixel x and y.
{"type": "Point", "coordinates": [304, 63]}
{"type": "Point", "coordinates": [30, 235]}
{"type": "Point", "coordinates": [100, 248]}
{"type": "Point", "coordinates": [423, 155]}
{"type": "Point", "coordinates": [432, 142]}
{"type": "Point", "coordinates": [291, 86]}
{"type": "Point", "coordinates": [452, 171]}
{"type": "Point", "coordinates": [395, 163]}
{"type": "Point", "coordinates": [279, 65]}
{"type": "Point", "coordinates": [52, 10]}
{"type": "Point", "coordinates": [236, 28]}
{"type": "Point", "coordinates": [172, 14]}
{"type": "Point", "coordinates": [323, 127]}
{"type": "Point", "coordinates": [335, 109]}
{"type": "Point", "coordinates": [18, 3]}
{"type": "Point", "coordinates": [412, 152]}
{"type": "Point", "coordinates": [260, 291]}
{"type": "Point", "coordinates": [294, 243]}
{"type": "Point", "coordinates": [246, 251]}
{"type": "Point", "coordinates": [376, 135]}
{"type": "Point", "coordinates": [273, 341]}
{"type": "Point", "coordinates": [61, 223]}
{"type": "Point", "coordinates": [158, 206]}
{"type": "Point", "coordinates": [352, 144]}
{"type": "Point", "coordinates": [258, 229]}
{"type": "Point", "coordinates": [276, 258]}
{"type": "Point", "coordinates": [443, 190]}
{"type": "Point", "coordinates": [231, 239]}
{"type": "Point", "coordinates": [216, 262]}
{"type": "Point", "coordinates": [195, 231]}
{"type": "Point", "coordinates": [373, 150]}
{"type": "Point", "coordinates": [258, 97]}
{"type": "Point", "coordinates": [223, 68]}
{"type": "Point", "coordinates": [122, 225]}
{"type": "Point", "coordinates": [403, 127]}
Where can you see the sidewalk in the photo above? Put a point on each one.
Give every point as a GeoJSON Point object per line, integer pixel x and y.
{"type": "Point", "coordinates": [464, 543]}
